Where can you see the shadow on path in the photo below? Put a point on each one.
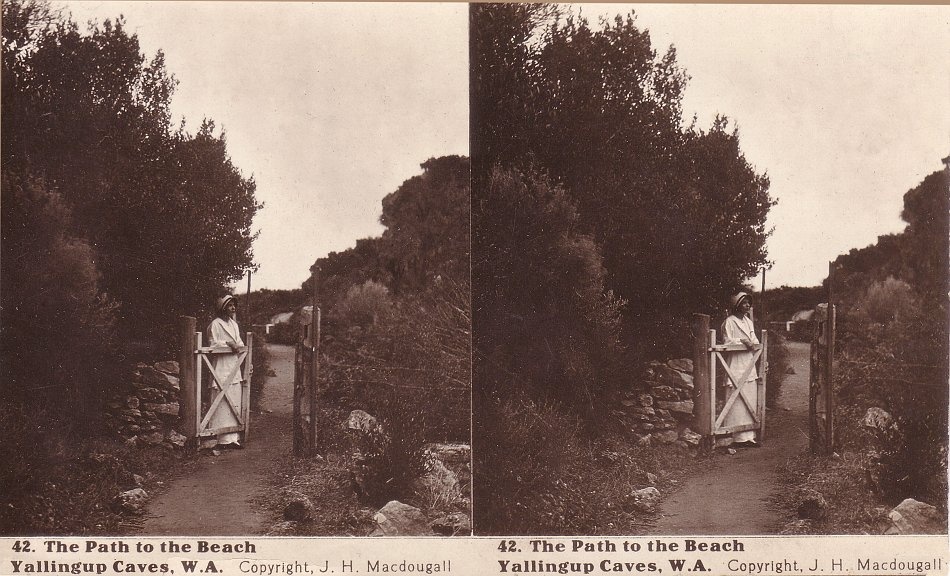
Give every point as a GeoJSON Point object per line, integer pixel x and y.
{"type": "Point", "coordinates": [217, 499]}
{"type": "Point", "coordinates": [732, 497]}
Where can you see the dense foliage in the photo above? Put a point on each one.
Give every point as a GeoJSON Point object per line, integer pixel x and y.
{"type": "Point", "coordinates": [677, 213]}
{"type": "Point", "coordinates": [114, 221]}
{"type": "Point", "coordinates": [893, 341]}
{"type": "Point", "coordinates": [166, 213]}
{"type": "Point", "coordinates": [600, 224]}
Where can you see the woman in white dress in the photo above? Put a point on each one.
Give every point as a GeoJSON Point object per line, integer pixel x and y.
{"type": "Point", "coordinates": [224, 331]}
{"type": "Point", "coordinates": [738, 329]}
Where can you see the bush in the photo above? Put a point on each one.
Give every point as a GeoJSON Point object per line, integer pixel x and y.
{"type": "Point", "coordinates": [57, 326]}
{"type": "Point", "coordinates": [364, 304]}
{"type": "Point", "coordinates": [392, 455]}
{"type": "Point", "coordinates": [57, 482]}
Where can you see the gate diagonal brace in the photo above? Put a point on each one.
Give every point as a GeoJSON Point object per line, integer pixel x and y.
{"type": "Point", "coordinates": [221, 391]}
{"type": "Point", "coordinates": [738, 388]}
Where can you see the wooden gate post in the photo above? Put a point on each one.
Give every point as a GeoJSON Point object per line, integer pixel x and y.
{"type": "Point", "coordinates": [186, 375]}
{"type": "Point", "coordinates": [701, 385]}
{"type": "Point", "coordinates": [829, 380]}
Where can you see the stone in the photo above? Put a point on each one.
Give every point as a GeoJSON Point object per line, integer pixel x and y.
{"type": "Point", "coordinates": [731, 451]}
{"type": "Point", "coordinates": [132, 501]}
{"type": "Point", "coordinates": [456, 524]}
{"type": "Point", "coordinates": [790, 370]}
{"type": "Point", "coordinates": [690, 437]}
{"type": "Point", "coordinates": [646, 426]}
{"type": "Point", "coordinates": [666, 436]}
{"type": "Point", "coordinates": [137, 480]}
{"type": "Point", "coordinates": [644, 411]}
{"type": "Point", "coordinates": [153, 438]}
{"type": "Point", "coordinates": [914, 517]}
{"type": "Point", "coordinates": [298, 507]}
{"type": "Point", "coordinates": [681, 365]}
{"type": "Point", "coordinates": [131, 442]}
{"type": "Point", "coordinates": [682, 407]}
{"type": "Point", "coordinates": [812, 506]}
{"type": "Point", "coordinates": [398, 519]}
{"type": "Point", "coordinates": [645, 400]}
{"type": "Point", "coordinates": [451, 453]}
{"type": "Point", "coordinates": [643, 440]}
{"type": "Point", "coordinates": [167, 366]}
{"type": "Point", "coordinates": [681, 444]}
{"type": "Point", "coordinates": [131, 429]}
{"type": "Point", "coordinates": [644, 500]}
{"type": "Point", "coordinates": [150, 394]}
{"type": "Point", "coordinates": [438, 484]}
{"type": "Point", "coordinates": [157, 379]}
{"type": "Point", "coordinates": [878, 419]}
{"type": "Point", "coordinates": [652, 478]}
{"type": "Point", "coordinates": [129, 414]}
{"type": "Point", "coordinates": [663, 392]}
{"type": "Point", "coordinates": [176, 439]}
{"type": "Point", "coordinates": [132, 402]}
{"type": "Point", "coordinates": [628, 403]}
{"type": "Point", "coordinates": [361, 421]}
{"type": "Point", "coordinates": [169, 409]}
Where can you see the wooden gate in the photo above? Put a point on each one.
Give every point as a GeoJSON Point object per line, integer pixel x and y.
{"type": "Point", "coordinates": [306, 374]}
{"type": "Point", "coordinates": [198, 412]}
{"type": "Point", "coordinates": [821, 396]}
{"type": "Point", "coordinates": [718, 388]}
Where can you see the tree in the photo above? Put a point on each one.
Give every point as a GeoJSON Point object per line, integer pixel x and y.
{"type": "Point", "coordinates": [679, 214]}
{"type": "Point", "coordinates": [168, 214]}
{"type": "Point", "coordinates": [57, 325]}
{"type": "Point", "coordinates": [428, 225]}
{"type": "Point", "coordinates": [543, 320]}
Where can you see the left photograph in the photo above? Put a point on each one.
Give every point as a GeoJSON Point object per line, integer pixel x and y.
{"type": "Point", "coordinates": [236, 293]}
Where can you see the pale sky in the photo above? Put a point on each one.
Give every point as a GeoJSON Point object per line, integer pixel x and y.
{"type": "Point", "coordinates": [329, 106]}
{"type": "Point", "coordinates": [332, 106]}
{"type": "Point", "coordinates": [844, 107]}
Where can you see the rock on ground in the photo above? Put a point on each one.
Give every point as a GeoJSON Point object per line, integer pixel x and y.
{"type": "Point", "coordinates": [362, 421]}
{"type": "Point", "coordinates": [913, 517]}
{"type": "Point", "coordinates": [812, 506]}
{"type": "Point", "coordinates": [299, 508]}
{"type": "Point", "coordinates": [644, 500]}
{"type": "Point", "coordinates": [456, 524]}
{"type": "Point", "coordinates": [398, 519]}
{"type": "Point", "coordinates": [132, 501]}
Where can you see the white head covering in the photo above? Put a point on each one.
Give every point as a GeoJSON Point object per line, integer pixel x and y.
{"type": "Point", "coordinates": [737, 299]}
{"type": "Point", "coordinates": [223, 301]}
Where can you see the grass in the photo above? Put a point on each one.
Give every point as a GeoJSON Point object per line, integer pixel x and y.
{"type": "Point", "coordinates": [326, 482]}
{"type": "Point", "coordinates": [852, 507]}
{"type": "Point", "coordinates": [56, 482]}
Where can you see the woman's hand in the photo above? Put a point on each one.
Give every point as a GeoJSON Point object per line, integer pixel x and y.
{"type": "Point", "coordinates": [233, 346]}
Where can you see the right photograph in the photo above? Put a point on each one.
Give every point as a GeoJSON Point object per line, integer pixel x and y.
{"type": "Point", "coordinates": [709, 269]}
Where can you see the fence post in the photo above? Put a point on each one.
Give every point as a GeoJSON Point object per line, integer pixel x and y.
{"type": "Point", "coordinates": [701, 387]}
{"type": "Point", "coordinates": [186, 376]}
{"type": "Point", "coordinates": [829, 380]}
{"type": "Point", "coordinates": [763, 383]}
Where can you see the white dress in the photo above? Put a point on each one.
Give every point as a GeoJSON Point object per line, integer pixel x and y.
{"type": "Point", "coordinates": [734, 330]}
{"type": "Point", "coordinates": [220, 332]}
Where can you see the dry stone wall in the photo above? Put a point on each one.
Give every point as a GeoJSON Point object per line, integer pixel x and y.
{"type": "Point", "coordinates": [658, 407]}
{"type": "Point", "coordinates": [146, 412]}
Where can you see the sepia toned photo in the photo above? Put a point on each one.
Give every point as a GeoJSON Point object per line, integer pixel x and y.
{"type": "Point", "coordinates": [235, 269]}
{"type": "Point", "coordinates": [495, 288]}
{"type": "Point", "coordinates": [709, 269]}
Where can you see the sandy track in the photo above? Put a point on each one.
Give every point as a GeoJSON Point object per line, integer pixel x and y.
{"type": "Point", "coordinates": [732, 497]}
{"type": "Point", "coordinates": [217, 499]}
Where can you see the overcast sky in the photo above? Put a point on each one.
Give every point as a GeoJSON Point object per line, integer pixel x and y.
{"type": "Point", "coordinates": [332, 106]}
{"type": "Point", "coordinates": [329, 106]}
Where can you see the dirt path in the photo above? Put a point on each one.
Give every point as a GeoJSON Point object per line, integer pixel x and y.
{"type": "Point", "coordinates": [217, 499]}
{"type": "Point", "coordinates": [732, 497]}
